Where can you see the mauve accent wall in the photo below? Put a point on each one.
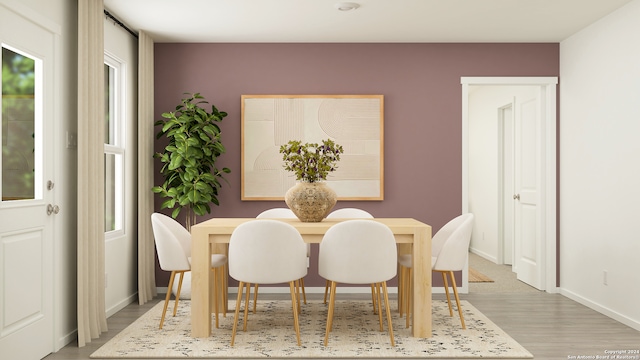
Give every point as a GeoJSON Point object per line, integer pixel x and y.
{"type": "Point", "coordinates": [422, 108]}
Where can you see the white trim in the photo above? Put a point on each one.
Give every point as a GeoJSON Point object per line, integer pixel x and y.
{"type": "Point", "coordinates": [32, 16]}
{"type": "Point", "coordinates": [548, 87]}
{"type": "Point", "coordinates": [499, 80]}
{"type": "Point", "coordinates": [601, 309]}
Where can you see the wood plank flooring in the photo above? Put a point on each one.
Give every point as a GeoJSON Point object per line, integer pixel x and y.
{"type": "Point", "coordinates": [550, 326]}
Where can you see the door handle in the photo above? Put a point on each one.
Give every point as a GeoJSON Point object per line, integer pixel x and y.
{"type": "Point", "coordinates": [52, 209]}
{"type": "Point", "coordinates": [516, 197]}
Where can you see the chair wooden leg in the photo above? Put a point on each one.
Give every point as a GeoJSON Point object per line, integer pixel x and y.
{"type": "Point", "coordinates": [166, 299]}
{"type": "Point", "coordinates": [235, 318]}
{"type": "Point", "coordinates": [175, 308]}
{"type": "Point", "coordinates": [455, 293]}
{"type": "Point", "coordinates": [327, 284]}
{"type": "Point", "coordinates": [332, 304]}
{"type": "Point", "coordinates": [255, 298]}
{"type": "Point", "coordinates": [374, 297]}
{"type": "Point", "coordinates": [295, 303]}
{"type": "Point", "coordinates": [304, 294]}
{"type": "Point", "coordinates": [296, 287]}
{"type": "Point", "coordinates": [246, 307]}
{"type": "Point", "coordinates": [223, 287]}
{"type": "Point", "coordinates": [379, 310]}
{"type": "Point", "coordinates": [386, 304]}
{"type": "Point", "coordinates": [446, 290]}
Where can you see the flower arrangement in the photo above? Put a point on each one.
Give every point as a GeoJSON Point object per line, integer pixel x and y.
{"type": "Point", "coordinates": [311, 162]}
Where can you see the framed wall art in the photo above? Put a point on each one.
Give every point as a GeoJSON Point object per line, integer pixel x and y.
{"type": "Point", "coordinates": [354, 121]}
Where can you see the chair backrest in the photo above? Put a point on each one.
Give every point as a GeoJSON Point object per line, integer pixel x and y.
{"type": "Point", "coordinates": [358, 252]}
{"type": "Point", "coordinates": [173, 243]}
{"type": "Point", "coordinates": [267, 251]}
{"type": "Point", "coordinates": [281, 213]}
{"type": "Point", "coordinates": [455, 249]}
{"type": "Point", "coordinates": [277, 213]}
{"type": "Point", "coordinates": [445, 232]}
{"type": "Point", "coordinates": [353, 213]}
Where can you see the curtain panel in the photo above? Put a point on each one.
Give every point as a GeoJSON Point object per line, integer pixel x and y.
{"type": "Point", "coordinates": [92, 319]}
{"type": "Point", "coordinates": [146, 248]}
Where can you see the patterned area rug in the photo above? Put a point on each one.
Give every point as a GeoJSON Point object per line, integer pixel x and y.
{"type": "Point", "coordinates": [355, 334]}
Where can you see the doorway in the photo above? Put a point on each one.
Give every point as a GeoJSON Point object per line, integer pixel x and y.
{"type": "Point", "coordinates": [537, 213]}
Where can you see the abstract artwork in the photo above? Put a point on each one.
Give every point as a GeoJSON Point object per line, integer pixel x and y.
{"type": "Point", "coordinates": [353, 121]}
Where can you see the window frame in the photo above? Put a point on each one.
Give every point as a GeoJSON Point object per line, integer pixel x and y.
{"type": "Point", "coordinates": [116, 145]}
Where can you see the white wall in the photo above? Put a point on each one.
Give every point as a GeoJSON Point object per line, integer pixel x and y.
{"type": "Point", "coordinates": [600, 165]}
{"type": "Point", "coordinates": [121, 252]}
{"type": "Point", "coordinates": [484, 102]}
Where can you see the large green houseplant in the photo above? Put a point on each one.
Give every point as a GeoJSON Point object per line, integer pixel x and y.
{"type": "Point", "coordinates": [191, 176]}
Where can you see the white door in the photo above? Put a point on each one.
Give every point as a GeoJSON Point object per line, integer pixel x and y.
{"type": "Point", "coordinates": [528, 243]}
{"type": "Point", "coordinates": [505, 245]}
{"type": "Point", "coordinates": [26, 230]}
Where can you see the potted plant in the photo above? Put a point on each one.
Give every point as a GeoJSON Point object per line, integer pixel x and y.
{"type": "Point", "coordinates": [311, 199]}
{"type": "Point", "coordinates": [191, 175]}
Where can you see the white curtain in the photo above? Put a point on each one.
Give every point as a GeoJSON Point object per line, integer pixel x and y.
{"type": "Point", "coordinates": [146, 248]}
{"type": "Point", "coordinates": [92, 319]}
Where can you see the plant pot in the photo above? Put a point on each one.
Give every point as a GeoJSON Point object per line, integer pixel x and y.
{"type": "Point", "coordinates": [311, 202]}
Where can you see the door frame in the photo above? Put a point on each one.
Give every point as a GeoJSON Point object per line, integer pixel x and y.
{"type": "Point", "coordinates": [504, 216]}
{"type": "Point", "coordinates": [547, 86]}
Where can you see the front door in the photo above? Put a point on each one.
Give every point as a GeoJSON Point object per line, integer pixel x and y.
{"type": "Point", "coordinates": [27, 188]}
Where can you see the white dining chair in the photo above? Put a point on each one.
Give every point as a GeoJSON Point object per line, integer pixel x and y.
{"type": "Point", "coordinates": [281, 213]}
{"type": "Point", "coordinates": [350, 213]}
{"type": "Point", "coordinates": [449, 253]}
{"type": "Point", "coordinates": [266, 251]}
{"type": "Point", "coordinates": [358, 252]}
{"type": "Point", "coordinates": [173, 244]}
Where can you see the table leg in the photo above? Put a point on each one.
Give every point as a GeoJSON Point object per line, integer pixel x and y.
{"type": "Point", "coordinates": [200, 280]}
{"type": "Point", "coordinates": [421, 302]}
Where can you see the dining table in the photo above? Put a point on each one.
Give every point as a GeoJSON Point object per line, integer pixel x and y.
{"type": "Point", "coordinates": [213, 235]}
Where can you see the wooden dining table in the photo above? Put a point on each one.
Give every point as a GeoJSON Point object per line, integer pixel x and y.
{"type": "Point", "coordinates": [212, 236]}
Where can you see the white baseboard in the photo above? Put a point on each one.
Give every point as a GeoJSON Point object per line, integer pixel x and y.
{"type": "Point", "coordinates": [601, 309]}
{"type": "Point", "coordinates": [121, 305]}
{"type": "Point", "coordinates": [66, 340]}
{"type": "Point", "coordinates": [483, 254]}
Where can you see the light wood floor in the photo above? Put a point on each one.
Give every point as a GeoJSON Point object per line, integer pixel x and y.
{"type": "Point", "coordinates": [550, 326]}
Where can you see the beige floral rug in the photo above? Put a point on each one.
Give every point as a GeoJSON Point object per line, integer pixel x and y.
{"type": "Point", "coordinates": [355, 334]}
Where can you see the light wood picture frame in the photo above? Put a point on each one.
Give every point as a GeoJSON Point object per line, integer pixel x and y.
{"type": "Point", "coordinates": [354, 121]}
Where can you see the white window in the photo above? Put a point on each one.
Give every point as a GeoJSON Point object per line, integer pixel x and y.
{"type": "Point", "coordinates": [114, 146]}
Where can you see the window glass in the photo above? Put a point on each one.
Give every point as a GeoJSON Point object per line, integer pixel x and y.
{"type": "Point", "coordinates": [18, 126]}
{"type": "Point", "coordinates": [113, 150]}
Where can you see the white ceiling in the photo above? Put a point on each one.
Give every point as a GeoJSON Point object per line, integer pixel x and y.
{"type": "Point", "coordinates": [374, 21]}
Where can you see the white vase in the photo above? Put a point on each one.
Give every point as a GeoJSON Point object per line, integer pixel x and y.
{"type": "Point", "coordinates": [311, 202]}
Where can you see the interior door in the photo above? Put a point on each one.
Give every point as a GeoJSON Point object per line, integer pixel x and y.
{"type": "Point", "coordinates": [528, 242]}
{"type": "Point", "coordinates": [505, 245]}
{"type": "Point", "coordinates": [26, 225]}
